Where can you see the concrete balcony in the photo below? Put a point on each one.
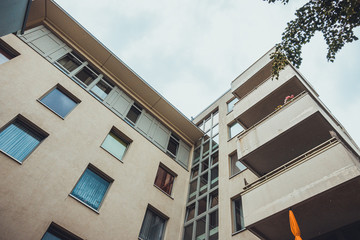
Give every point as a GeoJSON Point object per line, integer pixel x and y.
{"type": "Point", "coordinates": [321, 186]}
{"type": "Point", "coordinates": [253, 76]}
{"type": "Point", "coordinates": [283, 135]}
{"type": "Point", "coordinates": [262, 100]}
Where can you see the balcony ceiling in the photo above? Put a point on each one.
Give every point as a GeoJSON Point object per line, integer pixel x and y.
{"type": "Point", "coordinates": [323, 213]}
{"type": "Point", "coordinates": [289, 145]}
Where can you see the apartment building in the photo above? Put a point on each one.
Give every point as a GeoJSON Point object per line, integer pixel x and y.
{"type": "Point", "coordinates": [88, 150]}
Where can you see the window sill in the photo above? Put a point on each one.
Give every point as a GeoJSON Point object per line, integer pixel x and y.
{"type": "Point", "coordinates": [164, 192]}
{"type": "Point", "coordinates": [237, 232]}
{"type": "Point", "coordinates": [84, 203]}
{"type": "Point", "coordinates": [12, 157]}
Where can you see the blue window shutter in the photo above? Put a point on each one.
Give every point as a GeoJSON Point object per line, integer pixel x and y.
{"type": "Point", "coordinates": [18, 141]}
{"type": "Point", "coordinates": [91, 189]}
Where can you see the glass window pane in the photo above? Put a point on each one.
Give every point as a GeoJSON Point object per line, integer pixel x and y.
{"type": "Point", "coordinates": [195, 172]}
{"type": "Point", "coordinates": [101, 89]}
{"type": "Point", "coordinates": [188, 232]}
{"type": "Point", "coordinates": [192, 191]}
{"type": "Point", "coordinates": [204, 164]}
{"type": "Point", "coordinates": [201, 126]}
{"type": "Point", "coordinates": [196, 155]}
{"type": "Point", "coordinates": [215, 130]}
{"type": "Point", "coordinates": [86, 76]}
{"type": "Point", "coordinates": [59, 102]}
{"type": "Point", "coordinates": [214, 159]}
{"type": "Point", "coordinates": [236, 165]}
{"type": "Point", "coordinates": [164, 180]}
{"type": "Point", "coordinates": [152, 227]}
{"type": "Point", "coordinates": [114, 145]}
{"type": "Point", "coordinates": [213, 223]}
{"type": "Point", "coordinates": [203, 183]}
{"type": "Point", "coordinates": [18, 140]}
{"type": "Point", "coordinates": [190, 212]}
{"type": "Point", "coordinates": [91, 189]}
{"type": "Point", "coordinates": [215, 142]}
{"type": "Point", "coordinates": [173, 145]}
{"type": "Point", "coordinates": [238, 215]}
{"type": "Point", "coordinates": [207, 125]}
{"type": "Point", "coordinates": [200, 229]}
{"type": "Point", "coordinates": [206, 147]}
{"type": "Point", "coordinates": [235, 129]}
{"type": "Point", "coordinates": [214, 177]}
{"type": "Point", "coordinates": [215, 118]}
{"type": "Point", "coordinates": [133, 114]}
{"type": "Point", "coordinates": [201, 206]}
{"type": "Point", "coordinates": [69, 62]}
{"type": "Point", "coordinates": [231, 104]}
{"type": "Point", "coordinates": [214, 199]}
{"type": "Point", "coordinates": [49, 236]}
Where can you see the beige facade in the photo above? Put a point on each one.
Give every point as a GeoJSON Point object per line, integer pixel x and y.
{"type": "Point", "coordinates": [288, 155]}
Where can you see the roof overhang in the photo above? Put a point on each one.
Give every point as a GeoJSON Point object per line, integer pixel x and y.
{"type": "Point", "coordinates": [47, 12]}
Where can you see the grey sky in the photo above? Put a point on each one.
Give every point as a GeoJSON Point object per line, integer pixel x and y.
{"type": "Point", "coordinates": [190, 51]}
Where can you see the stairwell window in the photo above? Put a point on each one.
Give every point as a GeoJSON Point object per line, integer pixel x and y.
{"type": "Point", "coordinates": [92, 187]}
{"type": "Point", "coordinates": [19, 138]}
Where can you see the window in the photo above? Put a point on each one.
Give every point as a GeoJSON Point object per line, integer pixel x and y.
{"type": "Point", "coordinates": [6, 52]}
{"type": "Point", "coordinates": [231, 104]}
{"type": "Point", "coordinates": [173, 145]}
{"type": "Point", "coordinates": [55, 232]}
{"type": "Point", "coordinates": [116, 143]}
{"type": "Point", "coordinates": [91, 187]}
{"type": "Point", "coordinates": [86, 75]}
{"type": "Point", "coordinates": [69, 62]}
{"type": "Point", "coordinates": [133, 114]}
{"type": "Point", "coordinates": [238, 222]}
{"type": "Point", "coordinates": [60, 101]}
{"type": "Point", "coordinates": [235, 165]}
{"type": "Point", "coordinates": [153, 226]}
{"type": "Point", "coordinates": [235, 129]}
{"type": "Point", "coordinates": [102, 88]}
{"type": "Point", "coordinates": [164, 180]}
{"type": "Point", "coordinates": [19, 138]}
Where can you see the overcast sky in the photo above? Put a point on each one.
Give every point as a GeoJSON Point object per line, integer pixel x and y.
{"type": "Point", "coordinates": [190, 51]}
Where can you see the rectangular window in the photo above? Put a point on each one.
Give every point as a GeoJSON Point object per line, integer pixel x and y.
{"type": "Point", "coordinates": [60, 101]}
{"type": "Point", "coordinates": [69, 62]}
{"type": "Point", "coordinates": [231, 104]}
{"type": "Point", "coordinates": [164, 180]}
{"type": "Point", "coordinates": [20, 137]}
{"type": "Point", "coordinates": [55, 232]}
{"type": "Point", "coordinates": [238, 221]}
{"type": "Point", "coordinates": [6, 52]}
{"type": "Point", "coordinates": [153, 226]}
{"type": "Point", "coordinates": [235, 129]}
{"type": "Point", "coordinates": [173, 145]}
{"type": "Point", "coordinates": [235, 165]}
{"type": "Point", "coordinates": [86, 75]}
{"type": "Point", "coordinates": [133, 115]}
{"type": "Point", "coordinates": [102, 89]}
{"type": "Point", "coordinates": [92, 187]}
{"type": "Point", "coordinates": [116, 143]}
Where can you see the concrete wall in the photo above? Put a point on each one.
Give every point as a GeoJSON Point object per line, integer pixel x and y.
{"type": "Point", "coordinates": [37, 192]}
